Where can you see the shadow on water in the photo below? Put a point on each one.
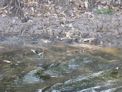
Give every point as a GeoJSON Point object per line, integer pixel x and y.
{"type": "Point", "coordinates": [61, 69]}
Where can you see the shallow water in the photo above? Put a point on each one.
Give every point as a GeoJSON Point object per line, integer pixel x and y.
{"type": "Point", "coordinates": [61, 69]}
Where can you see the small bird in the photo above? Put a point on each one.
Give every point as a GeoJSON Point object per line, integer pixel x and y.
{"type": "Point", "coordinates": [34, 51]}
{"type": "Point", "coordinates": [38, 53]}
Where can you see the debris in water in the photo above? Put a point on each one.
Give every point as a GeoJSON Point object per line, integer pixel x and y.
{"type": "Point", "coordinates": [7, 61]}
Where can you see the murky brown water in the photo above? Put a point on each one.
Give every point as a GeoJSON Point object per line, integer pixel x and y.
{"type": "Point", "coordinates": [61, 69]}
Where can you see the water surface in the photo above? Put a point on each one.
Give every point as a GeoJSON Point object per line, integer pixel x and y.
{"type": "Point", "coordinates": [61, 69]}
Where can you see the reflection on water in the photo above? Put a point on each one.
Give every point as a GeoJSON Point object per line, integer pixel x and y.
{"type": "Point", "coordinates": [61, 69]}
{"type": "Point", "coordinates": [31, 78]}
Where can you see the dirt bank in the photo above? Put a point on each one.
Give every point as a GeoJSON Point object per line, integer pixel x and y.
{"type": "Point", "coordinates": [63, 22]}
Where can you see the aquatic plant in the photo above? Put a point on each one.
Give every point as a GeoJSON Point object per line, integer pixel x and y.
{"type": "Point", "coordinates": [40, 74]}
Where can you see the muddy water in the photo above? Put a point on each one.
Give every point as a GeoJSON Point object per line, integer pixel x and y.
{"type": "Point", "coordinates": [61, 69]}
